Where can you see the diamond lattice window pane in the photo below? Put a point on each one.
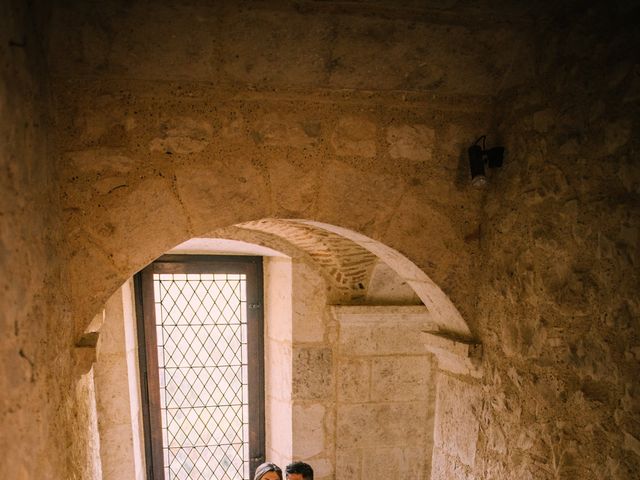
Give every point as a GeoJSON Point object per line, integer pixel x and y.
{"type": "Point", "coordinates": [202, 354]}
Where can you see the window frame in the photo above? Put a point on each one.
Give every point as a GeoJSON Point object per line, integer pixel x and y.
{"type": "Point", "coordinates": [252, 267]}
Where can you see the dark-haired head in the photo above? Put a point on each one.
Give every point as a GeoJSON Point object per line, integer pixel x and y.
{"type": "Point", "coordinates": [299, 471]}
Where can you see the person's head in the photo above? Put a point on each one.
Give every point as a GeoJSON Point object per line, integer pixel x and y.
{"type": "Point", "coordinates": [299, 471]}
{"type": "Point", "coordinates": [268, 471]}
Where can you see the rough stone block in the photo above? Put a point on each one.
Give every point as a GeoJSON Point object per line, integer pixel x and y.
{"type": "Point", "coordinates": [286, 130]}
{"type": "Point", "coordinates": [454, 355]}
{"type": "Point", "coordinates": [353, 380]}
{"type": "Point", "coordinates": [391, 424]}
{"type": "Point", "coordinates": [354, 136]}
{"type": "Point", "coordinates": [400, 378]}
{"type": "Point", "coordinates": [381, 330]}
{"type": "Point", "coordinates": [158, 218]}
{"type": "Point", "coordinates": [457, 425]}
{"type": "Point", "coordinates": [312, 373]}
{"type": "Point", "coordinates": [398, 462]}
{"type": "Point", "coordinates": [182, 135]}
{"type": "Point", "coordinates": [371, 204]}
{"type": "Point", "coordinates": [308, 430]}
{"type": "Point", "coordinates": [448, 467]}
{"type": "Point", "coordinates": [413, 142]}
{"type": "Point", "coordinates": [300, 200]}
{"type": "Point", "coordinates": [348, 464]}
{"type": "Point", "coordinates": [207, 189]}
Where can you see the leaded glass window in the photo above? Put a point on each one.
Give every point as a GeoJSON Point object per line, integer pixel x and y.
{"type": "Point", "coordinates": [203, 359]}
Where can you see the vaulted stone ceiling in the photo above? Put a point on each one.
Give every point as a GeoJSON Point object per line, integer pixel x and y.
{"type": "Point", "coordinates": [348, 264]}
{"type": "Point", "coordinates": [354, 274]}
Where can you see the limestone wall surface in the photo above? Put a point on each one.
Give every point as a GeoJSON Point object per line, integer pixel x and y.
{"type": "Point", "coordinates": [32, 408]}
{"type": "Point", "coordinates": [170, 120]}
{"type": "Point", "coordinates": [558, 311]}
{"type": "Point", "coordinates": [385, 390]}
{"type": "Point", "coordinates": [177, 120]}
{"type": "Point", "coordinates": [46, 409]}
{"type": "Point", "coordinates": [174, 120]}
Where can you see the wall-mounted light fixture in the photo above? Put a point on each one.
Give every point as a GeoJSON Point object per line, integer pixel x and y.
{"type": "Point", "coordinates": [479, 156]}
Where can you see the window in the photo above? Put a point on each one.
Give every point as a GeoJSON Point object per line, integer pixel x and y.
{"type": "Point", "coordinates": [200, 331]}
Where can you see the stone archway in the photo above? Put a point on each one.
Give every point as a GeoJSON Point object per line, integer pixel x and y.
{"type": "Point", "coordinates": [351, 327]}
{"type": "Point", "coordinates": [310, 235]}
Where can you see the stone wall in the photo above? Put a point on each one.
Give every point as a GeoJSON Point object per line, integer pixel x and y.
{"type": "Point", "coordinates": [385, 391]}
{"type": "Point", "coordinates": [117, 390]}
{"type": "Point", "coordinates": [26, 408]}
{"type": "Point", "coordinates": [558, 310]}
{"type": "Point", "coordinates": [45, 414]}
{"type": "Point", "coordinates": [172, 120]}
{"type": "Point", "coordinates": [162, 140]}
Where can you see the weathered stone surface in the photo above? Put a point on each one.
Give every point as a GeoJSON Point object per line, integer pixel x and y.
{"type": "Point", "coordinates": [205, 192]}
{"type": "Point", "coordinates": [376, 332]}
{"type": "Point", "coordinates": [554, 310]}
{"type": "Point", "coordinates": [276, 129]}
{"type": "Point", "coordinates": [308, 304]}
{"type": "Point", "coordinates": [308, 430]}
{"type": "Point", "coordinates": [399, 462]}
{"type": "Point", "coordinates": [323, 468]}
{"type": "Point", "coordinates": [385, 287]}
{"type": "Point", "coordinates": [455, 356]}
{"type": "Point", "coordinates": [182, 135]}
{"type": "Point", "coordinates": [372, 203]}
{"type": "Point", "coordinates": [234, 127]}
{"type": "Point", "coordinates": [131, 137]}
{"type": "Point", "coordinates": [299, 200]}
{"type": "Point", "coordinates": [296, 41]}
{"type": "Point", "coordinates": [401, 378]}
{"type": "Point", "coordinates": [159, 218]}
{"type": "Point", "coordinates": [543, 120]}
{"type": "Point", "coordinates": [100, 161]}
{"type": "Point", "coordinates": [312, 373]}
{"type": "Point", "coordinates": [391, 424]}
{"type": "Point", "coordinates": [457, 425]}
{"type": "Point", "coordinates": [348, 464]}
{"type": "Point", "coordinates": [413, 142]}
{"type": "Point", "coordinates": [354, 378]}
{"type": "Point", "coordinates": [354, 136]}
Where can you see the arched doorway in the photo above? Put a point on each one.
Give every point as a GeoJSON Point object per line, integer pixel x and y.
{"type": "Point", "coordinates": [349, 343]}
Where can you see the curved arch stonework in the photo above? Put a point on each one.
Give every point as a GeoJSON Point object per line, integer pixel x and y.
{"type": "Point", "coordinates": [346, 258]}
{"type": "Point", "coordinates": [363, 250]}
{"type": "Point", "coordinates": [134, 212]}
{"type": "Point", "coordinates": [444, 312]}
